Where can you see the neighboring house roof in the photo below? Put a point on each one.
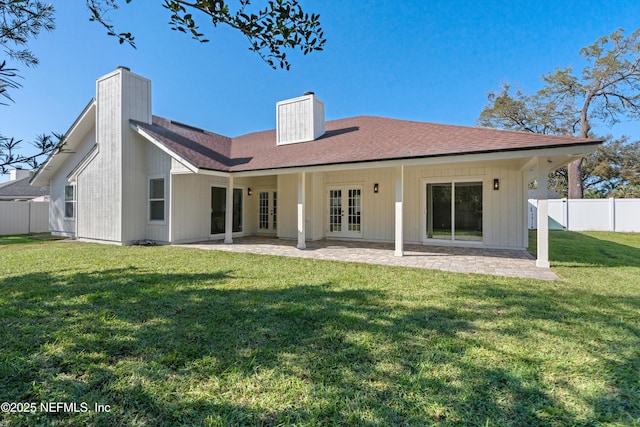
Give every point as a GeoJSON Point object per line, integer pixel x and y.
{"type": "Point", "coordinates": [350, 140]}
{"type": "Point", "coordinates": [20, 189]}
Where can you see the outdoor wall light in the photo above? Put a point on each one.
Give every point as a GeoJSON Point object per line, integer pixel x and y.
{"type": "Point", "coordinates": [249, 192]}
{"type": "Point", "coordinates": [375, 187]}
{"type": "Point", "coordinates": [496, 184]}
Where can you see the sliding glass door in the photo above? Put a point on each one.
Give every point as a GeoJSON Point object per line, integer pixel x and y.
{"type": "Point", "coordinates": [219, 209]}
{"type": "Point", "coordinates": [454, 211]}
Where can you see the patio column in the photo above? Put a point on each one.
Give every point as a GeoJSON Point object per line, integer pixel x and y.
{"type": "Point", "coordinates": [228, 212]}
{"type": "Point", "coordinates": [301, 213]}
{"type": "Point", "coordinates": [399, 174]}
{"type": "Point", "coordinates": [542, 259]}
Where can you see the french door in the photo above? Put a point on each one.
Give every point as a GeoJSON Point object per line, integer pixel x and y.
{"type": "Point", "coordinates": [345, 211]}
{"type": "Point", "coordinates": [267, 211]}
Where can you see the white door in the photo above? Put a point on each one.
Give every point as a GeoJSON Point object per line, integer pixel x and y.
{"type": "Point", "coordinates": [345, 211]}
{"type": "Point", "coordinates": [267, 211]}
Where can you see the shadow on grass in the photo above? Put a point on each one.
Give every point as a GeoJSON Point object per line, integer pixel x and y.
{"type": "Point", "coordinates": [173, 349]}
{"type": "Point", "coordinates": [27, 238]}
{"type": "Point", "coordinates": [573, 249]}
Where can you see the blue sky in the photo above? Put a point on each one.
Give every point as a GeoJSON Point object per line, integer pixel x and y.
{"type": "Point", "coordinates": [416, 60]}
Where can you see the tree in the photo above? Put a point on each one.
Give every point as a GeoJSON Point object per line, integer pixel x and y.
{"type": "Point", "coordinates": [21, 21]}
{"type": "Point", "coordinates": [280, 26]}
{"type": "Point", "coordinates": [615, 165]}
{"type": "Point", "coordinates": [607, 89]}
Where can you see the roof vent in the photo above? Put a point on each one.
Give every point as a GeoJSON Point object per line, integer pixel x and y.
{"type": "Point", "coordinates": [309, 93]}
{"type": "Point", "coordinates": [299, 119]}
{"type": "Point", "coordinates": [122, 67]}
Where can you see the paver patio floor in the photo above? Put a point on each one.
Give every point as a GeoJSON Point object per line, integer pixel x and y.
{"type": "Point", "coordinates": [498, 262]}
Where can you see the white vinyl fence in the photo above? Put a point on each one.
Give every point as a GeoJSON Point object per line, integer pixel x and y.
{"type": "Point", "coordinates": [590, 214]}
{"type": "Point", "coordinates": [24, 217]}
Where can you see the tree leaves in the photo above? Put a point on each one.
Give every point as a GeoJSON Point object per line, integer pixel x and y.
{"type": "Point", "coordinates": [280, 26]}
{"type": "Point", "coordinates": [607, 89]}
{"type": "Point", "coordinates": [44, 145]}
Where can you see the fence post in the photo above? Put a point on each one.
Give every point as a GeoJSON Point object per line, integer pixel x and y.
{"type": "Point", "coordinates": [565, 214]}
{"type": "Point", "coordinates": [612, 214]}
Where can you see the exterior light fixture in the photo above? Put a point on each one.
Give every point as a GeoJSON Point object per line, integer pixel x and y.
{"type": "Point", "coordinates": [375, 187]}
{"type": "Point", "coordinates": [249, 191]}
{"type": "Point", "coordinates": [496, 184]}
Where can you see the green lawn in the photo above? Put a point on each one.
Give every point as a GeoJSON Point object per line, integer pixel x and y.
{"type": "Point", "coordinates": [172, 336]}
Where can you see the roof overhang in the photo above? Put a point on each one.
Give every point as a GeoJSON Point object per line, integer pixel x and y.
{"type": "Point", "coordinates": [72, 139]}
{"type": "Point", "coordinates": [557, 156]}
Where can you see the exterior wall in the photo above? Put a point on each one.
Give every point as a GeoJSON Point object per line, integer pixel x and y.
{"type": "Point", "coordinates": [263, 183]}
{"type": "Point", "coordinates": [136, 105]}
{"type": "Point", "coordinates": [58, 224]}
{"type": "Point", "coordinates": [158, 165]}
{"type": "Point", "coordinates": [112, 187]}
{"type": "Point", "coordinates": [504, 211]}
{"type": "Point", "coordinates": [191, 205]}
{"type": "Point", "coordinates": [99, 186]}
{"type": "Point", "coordinates": [287, 209]}
{"type": "Point", "coordinates": [503, 216]}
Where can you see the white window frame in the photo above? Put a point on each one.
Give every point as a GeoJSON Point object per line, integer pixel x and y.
{"type": "Point", "coordinates": [163, 200]}
{"type": "Point", "coordinates": [453, 182]}
{"type": "Point", "coordinates": [72, 201]}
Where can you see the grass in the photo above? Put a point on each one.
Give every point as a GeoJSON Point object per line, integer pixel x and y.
{"type": "Point", "coordinates": [172, 336]}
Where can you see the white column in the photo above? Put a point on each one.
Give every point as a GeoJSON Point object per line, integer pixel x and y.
{"type": "Point", "coordinates": [399, 173]}
{"type": "Point", "coordinates": [301, 213]}
{"type": "Point", "coordinates": [543, 215]}
{"type": "Point", "coordinates": [228, 212]}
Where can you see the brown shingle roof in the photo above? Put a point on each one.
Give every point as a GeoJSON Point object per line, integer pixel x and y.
{"type": "Point", "coordinates": [355, 139]}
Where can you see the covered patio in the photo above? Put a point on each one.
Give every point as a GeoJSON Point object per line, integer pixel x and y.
{"type": "Point", "coordinates": [498, 262]}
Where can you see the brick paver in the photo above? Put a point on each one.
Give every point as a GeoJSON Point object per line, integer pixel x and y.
{"type": "Point", "coordinates": [498, 262]}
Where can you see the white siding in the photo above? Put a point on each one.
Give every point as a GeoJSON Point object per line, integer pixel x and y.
{"type": "Point", "coordinates": [99, 189]}
{"type": "Point", "coordinates": [503, 210]}
{"type": "Point", "coordinates": [191, 206]}
{"type": "Point", "coordinates": [287, 206]}
{"type": "Point", "coordinates": [504, 214]}
{"type": "Point", "coordinates": [112, 188]}
{"type": "Point", "coordinates": [136, 105]}
{"type": "Point", "coordinates": [158, 165]}
{"type": "Point", "coordinates": [58, 224]}
{"type": "Point", "coordinates": [299, 119]}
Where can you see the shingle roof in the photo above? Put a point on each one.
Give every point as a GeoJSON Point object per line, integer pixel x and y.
{"type": "Point", "coordinates": [350, 140]}
{"type": "Point", "coordinates": [20, 189]}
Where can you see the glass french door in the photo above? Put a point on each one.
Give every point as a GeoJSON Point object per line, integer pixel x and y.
{"type": "Point", "coordinates": [267, 211]}
{"type": "Point", "coordinates": [345, 211]}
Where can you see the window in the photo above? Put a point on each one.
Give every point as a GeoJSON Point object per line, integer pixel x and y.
{"type": "Point", "coordinates": [156, 199]}
{"type": "Point", "coordinates": [454, 211]}
{"type": "Point", "coordinates": [69, 201]}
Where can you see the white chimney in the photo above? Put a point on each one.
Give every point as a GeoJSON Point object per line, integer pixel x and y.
{"type": "Point", "coordinates": [299, 119]}
{"type": "Point", "coordinates": [16, 174]}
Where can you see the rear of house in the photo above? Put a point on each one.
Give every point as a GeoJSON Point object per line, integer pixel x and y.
{"type": "Point", "coordinates": [125, 175]}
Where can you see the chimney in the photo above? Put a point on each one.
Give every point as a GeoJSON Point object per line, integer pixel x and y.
{"type": "Point", "coordinates": [299, 119]}
{"type": "Point", "coordinates": [18, 173]}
